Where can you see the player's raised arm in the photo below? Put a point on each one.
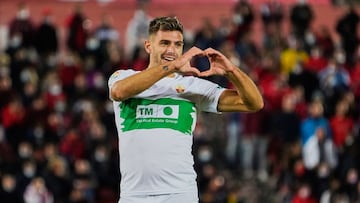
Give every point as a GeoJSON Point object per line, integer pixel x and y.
{"type": "Point", "coordinates": [245, 97]}
{"type": "Point", "coordinates": [141, 81]}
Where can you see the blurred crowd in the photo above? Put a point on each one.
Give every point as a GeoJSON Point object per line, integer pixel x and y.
{"type": "Point", "coordinates": [58, 141]}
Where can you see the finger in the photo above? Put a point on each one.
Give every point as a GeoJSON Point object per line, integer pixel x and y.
{"type": "Point", "coordinates": [195, 71]}
{"type": "Point", "coordinates": [191, 71]}
{"type": "Point", "coordinates": [214, 54]}
{"type": "Point", "coordinates": [195, 51]}
{"type": "Point", "coordinates": [210, 51]}
{"type": "Point", "coordinates": [206, 73]}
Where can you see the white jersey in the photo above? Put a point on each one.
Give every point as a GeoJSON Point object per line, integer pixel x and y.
{"type": "Point", "coordinates": [155, 133]}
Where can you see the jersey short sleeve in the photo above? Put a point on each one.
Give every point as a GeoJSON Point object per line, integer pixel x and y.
{"type": "Point", "coordinates": [209, 95]}
{"type": "Point", "coordinates": [119, 75]}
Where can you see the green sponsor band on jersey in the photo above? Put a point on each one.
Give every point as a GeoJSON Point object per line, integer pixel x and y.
{"type": "Point", "coordinates": [160, 113]}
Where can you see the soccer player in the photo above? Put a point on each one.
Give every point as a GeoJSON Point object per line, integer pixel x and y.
{"type": "Point", "coordinates": [155, 114]}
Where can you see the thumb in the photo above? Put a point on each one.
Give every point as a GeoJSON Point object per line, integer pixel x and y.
{"type": "Point", "coordinates": [193, 71]}
{"type": "Point", "coordinates": [206, 73]}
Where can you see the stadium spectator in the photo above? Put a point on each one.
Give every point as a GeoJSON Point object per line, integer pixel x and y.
{"type": "Point", "coordinates": [292, 55]}
{"type": "Point", "coordinates": [77, 31]}
{"type": "Point", "coordinates": [317, 61]}
{"type": "Point", "coordinates": [342, 124]}
{"type": "Point", "coordinates": [334, 79]}
{"type": "Point", "coordinates": [324, 40]}
{"type": "Point", "coordinates": [21, 28]}
{"type": "Point", "coordinates": [272, 14]}
{"type": "Point", "coordinates": [9, 190]}
{"type": "Point", "coordinates": [346, 27]}
{"type": "Point", "coordinates": [36, 192]}
{"type": "Point", "coordinates": [136, 30]}
{"type": "Point", "coordinates": [316, 139]}
{"type": "Point", "coordinates": [301, 17]}
{"type": "Point", "coordinates": [355, 75]}
{"type": "Point", "coordinates": [46, 40]}
{"type": "Point", "coordinates": [243, 17]}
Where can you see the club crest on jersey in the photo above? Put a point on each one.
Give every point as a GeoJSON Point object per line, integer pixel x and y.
{"type": "Point", "coordinates": [115, 74]}
{"type": "Point", "coordinates": [179, 88]}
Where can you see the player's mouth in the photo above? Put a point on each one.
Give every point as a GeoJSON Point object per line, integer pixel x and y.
{"type": "Point", "coordinates": [168, 58]}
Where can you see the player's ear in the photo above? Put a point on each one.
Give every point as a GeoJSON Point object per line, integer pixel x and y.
{"type": "Point", "coordinates": [147, 46]}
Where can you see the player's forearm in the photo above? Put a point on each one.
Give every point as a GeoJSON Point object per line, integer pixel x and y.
{"type": "Point", "coordinates": [246, 89]}
{"type": "Point", "coordinates": [137, 83]}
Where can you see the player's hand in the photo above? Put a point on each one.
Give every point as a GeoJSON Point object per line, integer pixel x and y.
{"type": "Point", "coordinates": [183, 65]}
{"type": "Point", "coordinates": [219, 64]}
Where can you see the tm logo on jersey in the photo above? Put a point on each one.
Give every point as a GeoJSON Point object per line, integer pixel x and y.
{"type": "Point", "coordinates": [157, 111]}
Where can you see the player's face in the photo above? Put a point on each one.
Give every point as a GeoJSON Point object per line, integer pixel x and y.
{"type": "Point", "coordinates": [164, 46]}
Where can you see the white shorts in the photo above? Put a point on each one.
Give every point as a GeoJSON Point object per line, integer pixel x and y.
{"type": "Point", "coordinates": [163, 198]}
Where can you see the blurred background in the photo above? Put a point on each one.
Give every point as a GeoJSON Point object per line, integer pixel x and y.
{"type": "Point", "coordinates": [58, 141]}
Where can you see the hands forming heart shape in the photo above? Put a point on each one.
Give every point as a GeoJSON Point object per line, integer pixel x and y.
{"type": "Point", "coordinates": [219, 64]}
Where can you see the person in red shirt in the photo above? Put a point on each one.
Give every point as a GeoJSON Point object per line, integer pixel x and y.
{"type": "Point", "coordinates": [355, 75]}
{"type": "Point", "coordinates": [316, 61]}
{"type": "Point", "coordinates": [303, 194]}
{"type": "Point", "coordinates": [341, 124]}
{"type": "Point", "coordinates": [13, 120]}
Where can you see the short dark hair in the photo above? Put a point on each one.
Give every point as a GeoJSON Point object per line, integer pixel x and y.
{"type": "Point", "coordinates": [165, 24]}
